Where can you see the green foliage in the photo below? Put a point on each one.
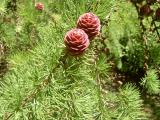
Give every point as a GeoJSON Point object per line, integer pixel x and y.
{"type": "Point", "coordinates": [125, 104]}
{"type": "Point", "coordinates": [151, 82]}
{"type": "Point", "coordinates": [130, 104]}
{"type": "Point", "coordinates": [2, 7]}
{"type": "Point", "coordinates": [123, 33]}
{"type": "Point", "coordinates": [153, 51]}
{"type": "Point", "coordinates": [44, 82]}
{"type": "Point", "coordinates": [102, 67]}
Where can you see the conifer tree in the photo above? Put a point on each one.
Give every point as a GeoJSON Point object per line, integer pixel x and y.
{"type": "Point", "coordinates": [79, 60]}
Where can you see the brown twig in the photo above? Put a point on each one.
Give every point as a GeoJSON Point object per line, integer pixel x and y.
{"type": "Point", "coordinates": [3, 61]}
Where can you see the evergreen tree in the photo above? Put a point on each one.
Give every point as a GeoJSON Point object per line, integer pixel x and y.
{"type": "Point", "coordinates": [108, 71]}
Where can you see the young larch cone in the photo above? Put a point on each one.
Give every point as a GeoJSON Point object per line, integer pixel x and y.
{"type": "Point", "coordinates": [146, 10]}
{"type": "Point", "coordinates": [39, 6]}
{"type": "Point", "coordinates": [76, 41]}
{"type": "Point", "coordinates": [157, 14]}
{"type": "Point", "coordinates": [90, 23]}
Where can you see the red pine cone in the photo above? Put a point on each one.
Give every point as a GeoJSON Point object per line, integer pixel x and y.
{"type": "Point", "coordinates": [76, 41]}
{"type": "Point", "coordinates": [157, 14]}
{"type": "Point", "coordinates": [90, 23]}
{"type": "Point", "coordinates": [146, 10]}
{"type": "Point", "coordinates": [39, 6]}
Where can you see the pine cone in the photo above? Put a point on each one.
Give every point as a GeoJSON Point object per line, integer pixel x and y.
{"type": "Point", "coordinates": [39, 6]}
{"type": "Point", "coordinates": [157, 14]}
{"type": "Point", "coordinates": [90, 23]}
{"type": "Point", "coordinates": [146, 10]}
{"type": "Point", "coordinates": [76, 41]}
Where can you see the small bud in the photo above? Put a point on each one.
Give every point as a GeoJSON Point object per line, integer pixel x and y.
{"type": "Point", "coordinates": [39, 6]}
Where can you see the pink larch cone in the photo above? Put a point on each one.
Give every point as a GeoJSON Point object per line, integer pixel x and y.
{"type": "Point", "coordinates": [90, 23]}
{"type": "Point", "coordinates": [76, 41]}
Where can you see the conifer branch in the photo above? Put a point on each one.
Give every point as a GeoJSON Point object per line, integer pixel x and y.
{"type": "Point", "coordinates": [75, 95]}
{"type": "Point", "coordinates": [3, 61]}
{"type": "Point", "coordinates": [143, 30]}
{"type": "Point", "coordinates": [151, 82]}
{"type": "Point", "coordinates": [99, 87]}
{"type": "Point", "coordinates": [99, 91]}
{"type": "Point", "coordinates": [39, 88]}
{"type": "Point", "coordinates": [99, 82]}
{"type": "Point", "coordinates": [102, 37]}
{"type": "Point", "coordinates": [156, 29]}
{"type": "Point", "coordinates": [104, 48]}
